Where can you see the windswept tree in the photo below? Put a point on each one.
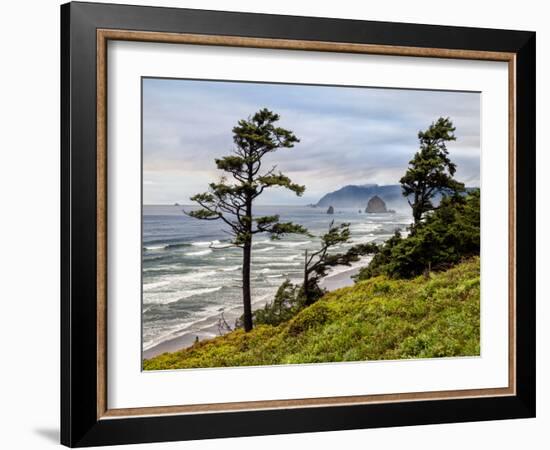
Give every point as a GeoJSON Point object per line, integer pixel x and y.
{"type": "Point", "coordinates": [431, 171]}
{"type": "Point", "coordinates": [231, 199]}
{"type": "Point", "coordinates": [291, 298]}
{"type": "Point", "coordinates": [318, 262]}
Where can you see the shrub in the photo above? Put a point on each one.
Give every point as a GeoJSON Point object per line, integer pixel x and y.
{"type": "Point", "coordinates": [287, 302]}
{"type": "Point", "coordinates": [447, 236]}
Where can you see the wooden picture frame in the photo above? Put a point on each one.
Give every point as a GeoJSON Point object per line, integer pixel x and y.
{"type": "Point", "coordinates": [86, 418]}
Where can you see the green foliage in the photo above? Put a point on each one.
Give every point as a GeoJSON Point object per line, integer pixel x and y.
{"type": "Point", "coordinates": [381, 259]}
{"type": "Point", "coordinates": [231, 201]}
{"type": "Point", "coordinates": [431, 171]}
{"type": "Point", "coordinates": [280, 229]}
{"type": "Point", "coordinates": [447, 235]}
{"type": "Point", "coordinates": [377, 319]}
{"type": "Point", "coordinates": [287, 302]}
{"type": "Point", "coordinates": [318, 262]}
{"type": "Point", "coordinates": [281, 180]}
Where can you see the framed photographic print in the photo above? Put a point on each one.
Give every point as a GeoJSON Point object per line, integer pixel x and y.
{"type": "Point", "coordinates": [277, 224]}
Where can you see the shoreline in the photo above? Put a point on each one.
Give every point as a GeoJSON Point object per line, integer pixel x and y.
{"type": "Point", "coordinates": [343, 278]}
{"type": "Point", "coordinates": [208, 328]}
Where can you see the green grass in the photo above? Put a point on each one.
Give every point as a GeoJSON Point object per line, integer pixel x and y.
{"type": "Point", "coordinates": [376, 319]}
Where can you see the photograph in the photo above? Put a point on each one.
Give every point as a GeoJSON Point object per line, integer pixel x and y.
{"type": "Point", "coordinates": [293, 224]}
{"type": "Point", "coordinates": [276, 223]}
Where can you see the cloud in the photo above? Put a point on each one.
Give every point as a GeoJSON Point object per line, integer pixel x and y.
{"type": "Point", "coordinates": [348, 135]}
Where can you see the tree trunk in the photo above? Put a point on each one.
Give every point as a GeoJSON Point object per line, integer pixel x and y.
{"type": "Point", "coordinates": [247, 253]}
{"type": "Point", "coordinates": [247, 303]}
{"type": "Point", "coordinates": [306, 280]}
{"type": "Point", "coordinates": [417, 215]}
{"type": "Point", "coordinates": [417, 210]}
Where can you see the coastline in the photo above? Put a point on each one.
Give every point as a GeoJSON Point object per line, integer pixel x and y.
{"type": "Point", "coordinates": [208, 328]}
{"type": "Point", "coordinates": [343, 278]}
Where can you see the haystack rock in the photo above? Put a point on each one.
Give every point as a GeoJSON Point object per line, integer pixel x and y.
{"type": "Point", "coordinates": [330, 210]}
{"type": "Point", "coordinates": [376, 205]}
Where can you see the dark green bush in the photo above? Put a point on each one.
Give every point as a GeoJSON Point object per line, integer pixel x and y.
{"type": "Point", "coordinates": [287, 302]}
{"type": "Point", "coordinates": [448, 235]}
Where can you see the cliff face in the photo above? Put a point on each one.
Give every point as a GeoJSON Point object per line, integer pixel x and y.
{"type": "Point", "coordinates": [376, 205]}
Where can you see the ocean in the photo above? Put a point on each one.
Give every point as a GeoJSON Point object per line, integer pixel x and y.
{"type": "Point", "coordinates": [189, 277]}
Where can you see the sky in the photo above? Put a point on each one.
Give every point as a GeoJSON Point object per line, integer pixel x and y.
{"type": "Point", "coordinates": [348, 135]}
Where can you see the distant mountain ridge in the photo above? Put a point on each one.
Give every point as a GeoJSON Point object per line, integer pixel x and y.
{"type": "Point", "coordinates": [353, 196]}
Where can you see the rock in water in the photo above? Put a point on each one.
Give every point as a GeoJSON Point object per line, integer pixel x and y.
{"type": "Point", "coordinates": [376, 205]}
{"type": "Point", "coordinates": [330, 210]}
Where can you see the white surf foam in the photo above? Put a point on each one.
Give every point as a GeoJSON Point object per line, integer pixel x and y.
{"type": "Point", "coordinates": [149, 300]}
{"type": "Point", "coordinates": [282, 264]}
{"type": "Point", "coordinates": [199, 253]}
{"type": "Point", "coordinates": [291, 244]}
{"type": "Point", "coordinates": [155, 247]}
{"type": "Point", "coordinates": [155, 284]}
{"type": "Point", "coordinates": [205, 243]}
{"type": "Point", "coordinates": [262, 250]}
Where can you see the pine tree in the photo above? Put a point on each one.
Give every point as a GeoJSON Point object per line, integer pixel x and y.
{"type": "Point", "coordinates": [431, 171]}
{"type": "Point", "coordinates": [232, 201]}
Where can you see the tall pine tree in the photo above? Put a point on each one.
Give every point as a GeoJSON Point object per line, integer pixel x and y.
{"type": "Point", "coordinates": [232, 200]}
{"type": "Point", "coordinates": [431, 171]}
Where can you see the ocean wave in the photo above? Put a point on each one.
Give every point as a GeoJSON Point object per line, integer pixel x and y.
{"type": "Point", "coordinates": [155, 247]}
{"type": "Point", "coordinates": [264, 241]}
{"type": "Point", "coordinates": [180, 296]}
{"type": "Point", "coordinates": [161, 268]}
{"type": "Point", "coordinates": [205, 243]}
{"type": "Point", "coordinates": [194, 276]}
{"type": "Point", "coordinates": [363, 227]}
{"type": "Point", "coordinates": [165, 246]}
{"type": "Point", "coordinates": [267, 249]}
{"type": "Point", "coordinates": [149, 258]}
{"type": "Point", "coordinates": [192, 292]}
{"type": "Point", "coordinates": [199, 253]}
{"type": "Point", "coordinates": [186, 326]}
{"type": "Point", "coordinates": [291, 244]}
{"type": "Point", "coordinates": [176, 279]}
{"type": "Point", "coordinates": [275, 276]}
{"type": "Point", "coordinates": [282, 264]}
{"type": "Point", "coordinates": [231, 268]}
{"type": "Point", "coordinates": [279, 258]}
{"type": "Point", "coordinates": [361, 240]}
{"type": "Point", "coordinates": [155, 284]}
{"type": "Point", "coordinates": [177, 245]}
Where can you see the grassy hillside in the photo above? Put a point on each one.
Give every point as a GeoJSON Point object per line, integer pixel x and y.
{"type": "Point", "coordinates": [375, 319]}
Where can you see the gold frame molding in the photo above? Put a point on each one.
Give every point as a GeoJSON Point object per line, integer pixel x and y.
{"type": "Point", "coordinates": [104, 35]}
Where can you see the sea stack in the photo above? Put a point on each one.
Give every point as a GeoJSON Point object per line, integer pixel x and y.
{"type": "Point", "coordinates": [330, 210]}
{"type": "Point", "coordinates": [376, 205]}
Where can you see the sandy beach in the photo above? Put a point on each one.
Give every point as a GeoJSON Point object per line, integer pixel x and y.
{"type": "Point", "coordinates": [343, 277]}
{"type": "Point", "coordinates": [208, 328]}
